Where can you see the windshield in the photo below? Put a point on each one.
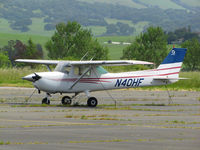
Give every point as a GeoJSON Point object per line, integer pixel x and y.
{"type": "Point", "coordinates": [101, 70]}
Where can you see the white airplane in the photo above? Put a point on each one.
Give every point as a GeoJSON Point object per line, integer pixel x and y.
{"type": "Point", "coordinates": [87, 76]}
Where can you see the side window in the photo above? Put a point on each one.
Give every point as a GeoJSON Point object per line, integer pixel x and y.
{"type": "Point", "coordinates": [79, 70]}
{"type": "Point", "coordinates": [76, 70]}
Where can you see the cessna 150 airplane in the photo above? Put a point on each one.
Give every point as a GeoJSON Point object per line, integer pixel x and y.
{"type": "Point", "coordinates": [87, 76]}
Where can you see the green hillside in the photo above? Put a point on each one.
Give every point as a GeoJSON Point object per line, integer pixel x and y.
{"type": "Point", "coordinates": [41, 16]}
{"type": "Point", "coordinates": [164, 4]}
{"type": "Point", "coordinates": [129, 3]}
{"type": "Point", "coordinates": [195, 3]}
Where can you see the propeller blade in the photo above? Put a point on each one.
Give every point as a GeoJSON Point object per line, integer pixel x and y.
{"type": "Point", "coordinates": [36, 77]}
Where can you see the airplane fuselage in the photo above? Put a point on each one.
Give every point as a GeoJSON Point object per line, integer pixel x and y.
{"type": "Point", "coordinates": [58, 82]}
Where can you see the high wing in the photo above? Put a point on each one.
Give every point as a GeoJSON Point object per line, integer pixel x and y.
{"type": "Point", "coordinates": [102, 62]}
{"type": "Point", "coordinates": [35, 61]}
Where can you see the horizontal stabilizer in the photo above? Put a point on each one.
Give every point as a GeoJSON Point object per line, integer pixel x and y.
{"type": "Point", "coordinates": [166, 78]}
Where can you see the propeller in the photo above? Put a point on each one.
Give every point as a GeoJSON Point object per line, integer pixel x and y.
{"type": "Point", "coordinates": [36, 77]}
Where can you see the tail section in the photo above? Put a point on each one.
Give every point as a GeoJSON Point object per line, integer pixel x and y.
{"type": "Point", "coordinates": [171, 65]}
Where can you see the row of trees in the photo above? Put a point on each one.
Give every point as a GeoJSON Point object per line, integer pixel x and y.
{"type": "Point", "coordinates": [180, 35]}
{"type": "Point", "coordinates": [70, 41]}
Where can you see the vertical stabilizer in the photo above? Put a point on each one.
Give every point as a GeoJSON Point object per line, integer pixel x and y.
{"type": "Point", "coordinates": [171, 65]}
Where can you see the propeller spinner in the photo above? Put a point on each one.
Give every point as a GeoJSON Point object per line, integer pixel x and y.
{"type": "Point", "coordinates": [32, 77]}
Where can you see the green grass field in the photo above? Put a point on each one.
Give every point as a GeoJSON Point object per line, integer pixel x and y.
{"type": "Point", "coordinates": [12, 77]}
{"type": "Point", "coordinates": [115, 51]}
{"type": "Point", "coordinates": [37, 28]}
{"type": "Point", "coordinates": [5, 37]}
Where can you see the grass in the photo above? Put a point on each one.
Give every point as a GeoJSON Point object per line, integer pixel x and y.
{"type": "Point", "coordinates": [13, 76]}
{"type": "Point", "coordinates": [5, 143]}
{"type": "Point", "coordinates": [36, 28]}
{"type": "Point", "coordinates": [191, 84]}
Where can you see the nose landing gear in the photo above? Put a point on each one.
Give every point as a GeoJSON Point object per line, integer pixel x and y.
{"type": "Point", "coordinates": [46, 99]}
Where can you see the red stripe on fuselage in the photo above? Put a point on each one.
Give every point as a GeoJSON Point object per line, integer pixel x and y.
{"type": "Point", "coordinates": [97, 80]}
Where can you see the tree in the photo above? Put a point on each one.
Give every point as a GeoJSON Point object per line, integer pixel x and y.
{"type": "Point", "coordinates": [10, 51]}
{"type": "Point", "coordinates": [71, 40]}
{"type": "Point", "coordinates": [4, 60]}
{"type": "Point", "coordinates": [181, 33]}
{"type": "Point", "coordinates": [17, 49]}
{"type": "Point", "coordinates": [149, 46]}
{"type": "Point", "coordinates": [192, 60]}
{"type": "Point", "coordinates": [119, 29]}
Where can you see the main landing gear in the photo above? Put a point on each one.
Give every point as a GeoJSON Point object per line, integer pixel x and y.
{"type": "Point", "coordinates": [66, 100]}
{"type": "Point", "coordinates": [92, 102]}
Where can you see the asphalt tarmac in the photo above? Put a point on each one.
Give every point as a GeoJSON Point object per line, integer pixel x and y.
{"type": "Point", "coordinates": [141, 120]}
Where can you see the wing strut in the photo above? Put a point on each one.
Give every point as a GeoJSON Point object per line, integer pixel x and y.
{"type": "Point", "coordinates": [48, 68]}
{"type": "Point", "coordinates": [80, 77]}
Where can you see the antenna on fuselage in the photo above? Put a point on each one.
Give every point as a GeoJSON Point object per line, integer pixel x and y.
{"type": "Point", "coordinates": [84, 56]}
{"type": "Point", "coordinates": [92, 58]}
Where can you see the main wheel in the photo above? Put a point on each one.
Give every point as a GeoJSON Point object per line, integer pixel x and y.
{"type": "Point", "coordinates": [66, 100]}
{"type": "Point", "coordinates": [45, 101]}
{"type": "Point", "coordinates": [92, 102]}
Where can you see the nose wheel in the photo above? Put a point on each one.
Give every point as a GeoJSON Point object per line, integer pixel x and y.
{"type": "Point", "coordinates": [45, 101]}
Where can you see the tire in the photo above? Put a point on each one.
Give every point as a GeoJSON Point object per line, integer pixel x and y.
{"type": "Point", "coordinates": [66, 100]}
{"type": "Point", "coordinates": [45, 101]}
{"type": "Point", "coordinates": [92, 102]}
